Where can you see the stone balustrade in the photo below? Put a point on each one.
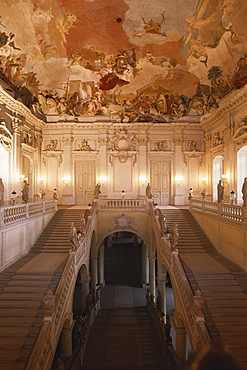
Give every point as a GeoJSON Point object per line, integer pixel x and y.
{"type": "Point", "coordinates": [19, 212]}
{"type": "Point", "coordinates": [228, 212]}
{"type": "Point", "coordinates": [137, 204]}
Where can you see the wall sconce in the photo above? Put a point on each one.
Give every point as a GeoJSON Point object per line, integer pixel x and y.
{"type": "Point", "coordinates": [102, 180]}
{"type": "Point", "coordinates": [204, 181]}
{"type": "Point", "coordinates": [143, 180]}
{"type": "Point", "coordinates": [225, 179]}
{"type": "Point", "coordinates": [41, 180]}
{"type": "Point", "coordinates": [66, 180]}
{"type": "Point", "coordinates": [179, 180]}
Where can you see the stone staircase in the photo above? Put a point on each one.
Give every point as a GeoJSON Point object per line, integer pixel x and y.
{"type": "Point", "coordinates": [23, 285]}
{"type": "Point", "coordinates": [223, 284]}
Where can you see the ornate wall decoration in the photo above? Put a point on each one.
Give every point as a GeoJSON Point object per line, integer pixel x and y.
{"type": "Point", "coordinates": [162, 145]}
{"type": "Point", "coordinates": [193, 146]}
{"type": "Point", "coordinates": [142, 141]}
{"type": "Point", "coordinates": [51, 145]}
{"type": "Point", "coordinates": [122, 145]}
{"type": "Point", "coordinates": [38, 139]}
{"type": "Point", "coordinates": [48, 155]}
{"type": "Point", "coordinates": [187, 157]}
{"type": "Point", "coordinates": [84, 146]}
{"type": "Point", "coordinates": [27, 138]}
{"type": "Point", "coordinates": [121, 140]}
{"type": "Point", "coordinates": [218, 140]}
{"type": "Point", "coordinates": [178, 142]}
{"type": "Point", "coordinates": [67, 140]}
{"type": "Point", "coordinates": [6, 138]}
{"type": "Point", "coordinates": [123, 222]}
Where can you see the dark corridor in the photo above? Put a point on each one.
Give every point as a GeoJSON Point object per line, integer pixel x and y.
{"type": "Point", "coordinates": [123, 260]}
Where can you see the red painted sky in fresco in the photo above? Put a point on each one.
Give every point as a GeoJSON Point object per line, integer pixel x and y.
{"type": "Point", "coordinates": [97, 25]}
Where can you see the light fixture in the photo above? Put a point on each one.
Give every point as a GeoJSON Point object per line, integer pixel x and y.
{"type": "Point", "coordinates": [102, 180]}
{"type": "Point", "coordinates": [225, 179]}
{"type": "Point", "coordinates": [66, 180]}
{"type": "Point", "coordinates": [179, 180]}
{"type": "Point", "coordinates": [204, 181]}
{"type": "Point", "coordinates": [41, 180]}
{"type": "Point", "coordinates": [143, 180]}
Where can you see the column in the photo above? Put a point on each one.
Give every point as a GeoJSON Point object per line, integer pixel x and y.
{"type": "Point", "coordinates": [145, 266]}
{"type": "Point", "coordinates": [152, 276]}
{"type": "Point", "coordinates": [16, 182]}
{"type": "Point", "coordinates": [94, 274]}
{"type": "Point", "coordinates": [162, 289]}
{"type": "Point", "coordinates": [85, 280]}
{"type": "Point", "coordinates": [181, 343]}
{"type": "Point", "coordinates": [101, 261]}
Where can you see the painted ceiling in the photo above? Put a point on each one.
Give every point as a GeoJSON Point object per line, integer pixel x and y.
{"type": "Point", "coordinates": [123, 47]}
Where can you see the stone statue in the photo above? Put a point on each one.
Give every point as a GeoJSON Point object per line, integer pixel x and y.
{"type": "Point", "coordinates": [25, 192]}
{"type": "Point", "coordinates": [48, 300]}
{"type": "Point", "coordinates": [174, 237]}
{"type": "Point", "coordinates": [82, 228]}
{"type": "Point", "coordinates": [55, 194]}
{"type": "Point", "coordinates": [244, 192]}
{"type": "Point", "coordinates": [97, 191]}
{"type": "Point", "coordinates": [149, 192]}
{"type": "Point", "coordinates": [164, 226]}
{"type": "Point", "coordinates": [199, 302]}
{"type": "Point", "coordinates": [1, 192]}
{"type": "Point", "coordinates": [220, 191]}
{"type": "Point", "coordinates": [73, 237]}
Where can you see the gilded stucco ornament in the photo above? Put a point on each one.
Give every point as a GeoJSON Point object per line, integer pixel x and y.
{"type": "Point", "coordinates": [6, 138]}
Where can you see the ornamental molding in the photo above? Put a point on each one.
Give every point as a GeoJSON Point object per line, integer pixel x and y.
{"type": "Point", "coordinates": [198, 156]}
{"type": "Point", "coordinates": [122, 145]}
{"type": "Point", "coordinates": [6, 138]}
{"type": "Point", "coordinates": [57, 156]}
{"type": "Point", "coordinates": [178, 142]}
{"type": "Point", "coordinates": [17, 107]}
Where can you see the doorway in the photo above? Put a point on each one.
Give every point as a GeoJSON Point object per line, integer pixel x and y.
{"type": "Point", "coordinates": [160, 181]}
{"type": "Point", "coordinates": [85, 181]}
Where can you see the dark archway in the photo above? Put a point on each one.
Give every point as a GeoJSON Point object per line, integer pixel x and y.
{"type": "Point", "coordinates": [123, 259]}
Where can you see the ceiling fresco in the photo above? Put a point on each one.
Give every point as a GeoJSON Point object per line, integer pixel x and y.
{"type": "Point", "coordinates": [146, 57]}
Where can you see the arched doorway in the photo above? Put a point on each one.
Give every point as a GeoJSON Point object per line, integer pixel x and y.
{"type": "Point", "coordinates": [218, 164]}
{"type": "Point", "coordinates": [123, 259]}
{"type": "Point", "coordinates": [241, 171]}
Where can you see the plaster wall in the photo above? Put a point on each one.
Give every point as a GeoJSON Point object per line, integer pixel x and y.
{"type": "Point", "coordinates": [18, 239]}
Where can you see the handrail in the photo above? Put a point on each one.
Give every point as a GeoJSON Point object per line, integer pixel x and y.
{"type": "Point", "coordinates": [20, 212]}
{"type": "Point", "coordinates": [227, 212]}
{"type": "Point", "coordinates": [195, 324]}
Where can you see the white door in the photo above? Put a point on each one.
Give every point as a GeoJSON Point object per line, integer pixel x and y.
{"type": "Point", "coordinates": [160, 182]}
{"type": "Point", "coordinates": [85, 182]}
